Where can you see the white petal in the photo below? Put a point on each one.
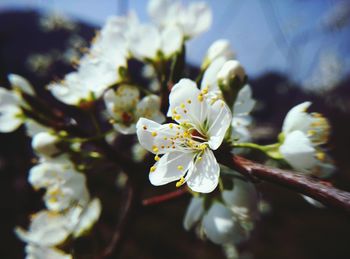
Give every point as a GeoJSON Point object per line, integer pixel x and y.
{"type": "Point", "coordinates": [162, 11]}
{"type": "Point", "coordinates": [220, 226]}
{"type": "Point", "coordinates": [20, 82]}
{"type": "Point", "coordinates": [184, 99]}
{"type": "Point", "coordinates": [219, 120]}
{"type": "Point", "coordinates": [149, 107]}
{"type": "Point", "coordinates": [244, 103]}
{"type": "Point", "coordinates": [205, 175]}
{"type": "Point", "coordinates": [33, 127]}
{"type": "Point", "coordinates": [171, 41]}
{"type": "Point", "coordinates": [298, 151]}
{"type": "Point", "coordinates": [157, 138]}
{"type": "Point", "coordinates": [44, 143]}
{"type": "Point", "coordinates": [220, 49]}
{"type": "Point", "coordinates": [8, 98]}
{"type": "Point", "coordinates": [145, 42]}
{"type": "Point", "coordinates": [210, 80]}
{"type": "Point", "coordinates": [10, 118]}
{"type": "Point", "coordinates": [167, 168]}
{"type": "Point", "coordinates": [89, 216]}
{"type": "Point", "coordinates": [297, 119]}
{"type": "Point", "coordinates": [43, 252]}
{"type": "Point", "coordinates": [194, 212]}
{"type": "Point", "coordinates": [243, 195]}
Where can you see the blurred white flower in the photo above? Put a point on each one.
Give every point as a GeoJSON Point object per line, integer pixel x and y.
{"type": "Point", "coordinates": [125, 108]}
{"type": "Point", "coordinates": [229, 221]}
{"type": "Point", "coordinates": [187, 146]}
{"type": "Point", "coordinates": [101, 67]}
{"type": "Point", "coordinates": [230, 70]}
{"type": "Point", "coordinates": [219, 49]}
{"type": "Point", "coordinates": [44, 144]}
{"type": "Point", "coordinates": [44, 252]}
{"type": "Point", "coordinates": [193, 19]}
{"type": "Point", "coordinates": [11, 114]}
{"type": "Point", "coordinates": [64, 185]}
{"type": "Point", "coordinates": [149, 42]}
{"type": "Point", "coordinates": [302, 135]}
{"type": "Point", "coordinates": [241, 119]}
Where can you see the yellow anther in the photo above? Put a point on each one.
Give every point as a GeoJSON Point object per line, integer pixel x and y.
{"type": "Point", "coordinates": [182, 105]}
{"type": "Point", "coordinates": [205, 90]}
{"type": "Point", "coordinates": [199, 158]}
{"type": "Point", "coordinates": [311, 132]}
{"type": "Point", "coordinates": [152, 169]}
{"type": "Point", "coordinates": [180, 182]}
{"type": "Point", "coordinates": [186, 134]}
{"type": "Point", "coordinates": [165, 138]}
{"type": "Point", "coordinates": [189, 101]}
{"type": "Point", "coordinates": [154, 133]}
{"type": "Point", "coordinates": [185, 111]}
{"type": "Point", "coordinates": [200, 97]}
{"type": "Point", "coordinates": [171, 125]}
{"type": "Point", "coordinates": [320, 156]}
{"type": "Point", "coordinates": [177, 117]}
{"type": "Point", "coordinates": [180, 167]}
{"type": "Point", "coordinates": [155, 149]}
{"type": "Point", "coordinates": [202, 146]}
{"type": "Point", "coordinates": [156, 158]}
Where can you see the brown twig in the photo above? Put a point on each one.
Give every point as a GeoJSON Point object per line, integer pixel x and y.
{"type": "Point", "coordinates": [165, 197]}
{"type": "Point", "coordinates": [327, 195]}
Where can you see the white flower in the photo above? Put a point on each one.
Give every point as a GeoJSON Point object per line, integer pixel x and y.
{"type": "Point", "coordinates": [230, 70]}
{"type": "Point", "coordinates": [187, 146]}
{"type": "Point", "coordinates": [44, 252]}
{"type": "Point", "coordinates": [243, 105]}
{"type": "Point", "coordinates": [227, 222]}
{"type": "Point", "coordinates": [33, 127]}
{"type": "Point", "coordinates": [193, 19]}
{"type": "Point", "coordinates": [148, 42]}
{"type": "Point", "coordinates": [125, 108]}
{"type": "Point", "coordinates": [44, 143]}
{"type": "Point", "coordinates": [100, 67]}
{"type": "Point", "coordinates": [47, 228]}
{"type": "Point", "coordinates": [219, 49]}
{"type": "Point", "coordinates": [303, 133]}
{"type": "Point", "coordinates": [64, 185]}
{"type": "Point", "coordinates": [11, 115]}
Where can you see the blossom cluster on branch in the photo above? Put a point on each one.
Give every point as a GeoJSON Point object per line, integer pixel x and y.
{"type": "Point", "coordinates": [186, 123]}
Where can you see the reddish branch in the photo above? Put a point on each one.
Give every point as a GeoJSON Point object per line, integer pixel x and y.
{"type": "Point", "coordinates": [165, 197]}
{"type": "Point", "coordinates": [327, 195]}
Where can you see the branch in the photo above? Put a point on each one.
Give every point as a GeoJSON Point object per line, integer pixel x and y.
{"type": "Point", "coordinates": [165, 197]}
{"type": "Point", "coordinates": [327, 195]}
{"type": "Point", "coordinates": [114, 245]}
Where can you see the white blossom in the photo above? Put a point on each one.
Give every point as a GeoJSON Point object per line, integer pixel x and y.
{"type": "Point", "coordinates": [149, 42]}
{"type": "Point", "coordinates": [230, 70]}
{"type": "Point", "coordinates": [229, 221]}
{"type": "Point", "coordinates": [64, 185]}
{"type": "Point", "coordinates": [125, 108]}
{"type": "Point", "coordinates": [187, 146]}
{"type": "Point", "coordinates": [302, 135]}
{"type": "Point", "coordinates": [193, 19]}
{"type": "Point", "coordinates": [219, 49]}
{"type": "Point", "coordinates": [44, 252]}
{"type": "Point", "coordinates": [11, 114]}
{"type": "Point", "coordinates": [44, 143]}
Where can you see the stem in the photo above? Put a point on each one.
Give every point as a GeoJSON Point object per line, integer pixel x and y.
{"type": "Point", "coordinates": [249, 145]}
{"type": "Point", "coordinates": [327, 195]}
{"type": "Point", "coordinates": [165, 197]}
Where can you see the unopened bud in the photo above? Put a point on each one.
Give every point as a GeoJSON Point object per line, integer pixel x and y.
{"type": "Point", "coordinates": [220, 48]}
{"type": "Point", "coordinates": [20, 83]}
{"type": "Point", "coordinates": [230, 70]}
{"type": "Point", "coordinates": [44, 143]}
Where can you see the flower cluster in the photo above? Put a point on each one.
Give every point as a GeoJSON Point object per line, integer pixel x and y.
{"type": "Point", "coordinates": [204, 120]}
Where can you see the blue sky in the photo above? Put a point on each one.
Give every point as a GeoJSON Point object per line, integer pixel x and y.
{"type": "Point", "coordinates": [285, 36]}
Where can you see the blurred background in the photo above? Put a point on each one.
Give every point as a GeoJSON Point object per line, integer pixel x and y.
{"type": "Point", "coordinates": [293, 50]}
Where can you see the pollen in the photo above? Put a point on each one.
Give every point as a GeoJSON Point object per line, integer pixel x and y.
{"type": "Point", "coordinates": [199, 158]}
{"type": "Point", "coordinates": [171, 125]}
{"type": "Point", "coordinates": [205, 90]}
{"type": "Point", "coordinates": [152, 169]}
{"type": "Point", "coordinates": [202, 146]}
{"type": "Point", "coordinates": [156, 158]}
{"type": "Point", "coordinates": [180, 167]}
{"type": "Point", "coordinates": [180, 182]}
{"type": "Point", "coordinates": [177, 117]}
{"type": "Point", "coordinates": [154, 134]}
{"type": "Point", "coordinates": [155, 149]}
{"type": "Point", "coordinates": [200, 97]}
{"type": "Point", "coordinates": [189, 101]}
{"type": "Point", "coordinates": [182, 105]}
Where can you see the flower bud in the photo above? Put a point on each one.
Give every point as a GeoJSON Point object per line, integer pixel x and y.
{"type": "Point", "coordinates": [230, 70]}
{"type": "Point", "coordinates": [20, 83]}
{"type": "Point", "coordinates": [44, 143]}
{"type": "Point", "coordinates": [219, 48]}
